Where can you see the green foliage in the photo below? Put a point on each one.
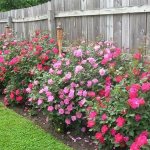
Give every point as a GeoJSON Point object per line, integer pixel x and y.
{"type": "Point", "coordinates": [6, 5]}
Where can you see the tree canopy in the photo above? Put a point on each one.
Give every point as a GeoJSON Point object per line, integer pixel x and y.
{"type": "Point", "coordinates": [6, 5]}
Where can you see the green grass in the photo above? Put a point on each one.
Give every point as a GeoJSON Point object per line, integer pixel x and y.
{"type": "Point", "coordinates": [17, 133]}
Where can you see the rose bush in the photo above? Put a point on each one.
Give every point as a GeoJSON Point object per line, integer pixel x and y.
{"type": "Point", "coordinates": [126, 114]}
{"type": "Point", "coordinates": [90, 87]}
{"type": "Point", "coordinates": [18, 60]}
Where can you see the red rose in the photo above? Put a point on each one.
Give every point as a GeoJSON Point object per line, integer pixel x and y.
{"type": "Point", "coordinates": [19, 98]}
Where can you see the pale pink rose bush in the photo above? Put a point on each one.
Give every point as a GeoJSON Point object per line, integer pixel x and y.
{"type": "Point", "coordinates": [91, 88]}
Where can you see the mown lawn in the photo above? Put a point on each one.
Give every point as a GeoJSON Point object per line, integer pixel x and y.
{"type": "Point", "coordinates": [17, 133]}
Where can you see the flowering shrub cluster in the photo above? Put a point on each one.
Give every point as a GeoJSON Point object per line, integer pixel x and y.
{"type": "Point", "coordinates": [94, 88]}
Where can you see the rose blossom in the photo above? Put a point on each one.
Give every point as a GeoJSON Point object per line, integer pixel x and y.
{"type": "Point", "coordinates": [78, 53]}
{"type": "Point", "coordinates": [66, 90]}
{"type": "Point", "coordinates": [61, 111]}
{"type": "Point", "coordinates": [137, 117]}
{"type": "Point", "coordinates": [113, 132]}
{"type": "Point", "coordinates": [73, 118]}
{"type": "Point", "coordinates": [118, 138]}
{"type": "Point", "coordinates": [82, 102]}
{"type": "Point", "coordinates": [71, 93]}
{"type": "Point", "coordinates": [78, 115]}
{"type": "Point", "coordinates": [89, 83]}
{"type": "Point", "coordinates": [50, 81]}
{"type": "Point", "coordinates": [104, 117]}
{"type": "Point", "coordinates": [92, 114]}
{"type": "Point", "coordinates": [50, 108]}
{"type": "Point", "coordinates": [67, 121]}
{"type": "Point", "coordinates": [120, 121]}
{"type": "Point", "coordinates": [95, 81]}
{"type": "Point", "coordinates": [66, 101]}
{"type": "Point", "coordinates": [84, 93]}
{"type": "Point", "coordinates": [28, 90]}
{"type": "Point", "coordinates": [145, 87]}
{"type": "Point", "coordinates": [102, 72]}
{"type": "Point", "coordinates": [104, 129]}
{"type": "Point", "coordinates": [78, 69]}
{"type": "Point", "coordinates": [50, 98]}
{"type": "Point", "coordinates": [90, 123]}
{"type": "Point", "coordinates": [100, 137]}
{"type": "Point", "coordinates": [40, 101]}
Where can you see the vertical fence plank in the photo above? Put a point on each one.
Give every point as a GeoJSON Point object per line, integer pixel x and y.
{"type": "Point", "coordinates": [96, 21]}
{"type": "Point", "coordinates": [103, 21]}
{"type": "Point", "coordinates": [51, 19]}
{"type": "Point", "coordinates": [148, 32]}
{"type": "Point", "coordinates": [117, 25]}
{"type": "Point", "coordinates": [109, 21]}
{"type": "Point", "coordinates": [125, 29]}
{"type": "Point", "coordinates": [90, 6]}
{"type": "Point", "coordinates": [84, 22]}
{"type": "Point", "coordinates": [137, 26]}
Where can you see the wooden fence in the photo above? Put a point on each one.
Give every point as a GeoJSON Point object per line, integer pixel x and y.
{"type": "Point", "coordinates": [127, 22]}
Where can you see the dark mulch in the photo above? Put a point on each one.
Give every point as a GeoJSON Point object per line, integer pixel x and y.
{"type": "Point", "coordinates": [76, 142]}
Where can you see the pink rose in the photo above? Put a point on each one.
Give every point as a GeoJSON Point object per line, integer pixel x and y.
{"type": "Point", "coordinates": [82, 102]}
{"type": "Point", "coordinates": [50, 81]}
{"type": "Point", "coordinates": [113, 132]}
{"type": "Point", "coordinates": [78, 53]}
{"type": "Point", "coordinates": [50, 98]}
{"type": "Point", "coordinates": [90, 123]}
{"type": "Point", "coordinates": [92, 114]}
{"type": "Point", "coordinates": [40, 101]}
{"type": "Point", "coordinates": [61, 111]}
{"type": "Point", "coordinates": [102, 72]}
{"type": "Point", "coordinates": [118, 138]}
{"type": "Point", "coordinates": [73, 118]}
{"type": "Point", "coordinates": [145, 87]}
{"type": "Point", "coordinates": [89, 83]}
{"type": "Point", "coordinates": [1, 59]}
{"type": "Point", "coordinates": [50, 108]}
{"type": "Point", "coordinates": [104, 117]}
{"type": "Point", "coordinates": [104, 129]}
{"type": "Point", "coordinates": [78, 69]}
{"type": "Point", "coordinates": [28, 90]}
{"type": "Point", "coordinates": [67, 121]}
{"type": "Point", "coordinates": [120, 121]}
{"type": "Point", "coordinates": [78, 115]}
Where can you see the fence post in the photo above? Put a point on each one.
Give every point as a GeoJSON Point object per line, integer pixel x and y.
{"type": "Point", "coordinates": [9, 21]}
{"type": "Point", "coordinates": [8, 28]}
{"type": "Point", "coordinates": [59, 38]}
{"type": "Point", "coordinates": [51, 19]}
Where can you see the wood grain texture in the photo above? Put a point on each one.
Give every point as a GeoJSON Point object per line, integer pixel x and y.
{"type": "Point", "coordinates": [117, 25]}
{"type": "Point", "coordinates": [109, 21]}
{"type": "Point", "coordinates": [125, 28]}
{"type": "Point", "coordinates": [137, 27]}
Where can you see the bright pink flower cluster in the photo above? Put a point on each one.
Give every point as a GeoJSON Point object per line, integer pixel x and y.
{"type": "Point", "coordinates": [140, 141]}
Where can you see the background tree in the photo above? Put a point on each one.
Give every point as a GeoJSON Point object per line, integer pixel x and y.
{"type": "Point", "coordinates": [6, 5]}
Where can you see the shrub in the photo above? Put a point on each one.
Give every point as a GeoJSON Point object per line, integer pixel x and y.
{"type": "Point", "coordinates": [90, 87]}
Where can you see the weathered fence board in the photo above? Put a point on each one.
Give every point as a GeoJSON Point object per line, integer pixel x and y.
{"type": "Point", "coordinates": [126, 22]}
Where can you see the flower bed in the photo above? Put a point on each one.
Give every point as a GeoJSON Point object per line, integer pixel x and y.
{"type": "Point", "coordinates": [92, 88]}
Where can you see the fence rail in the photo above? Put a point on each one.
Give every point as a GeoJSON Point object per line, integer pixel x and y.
{"type": "Point", "coordinates": [127, 22]}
